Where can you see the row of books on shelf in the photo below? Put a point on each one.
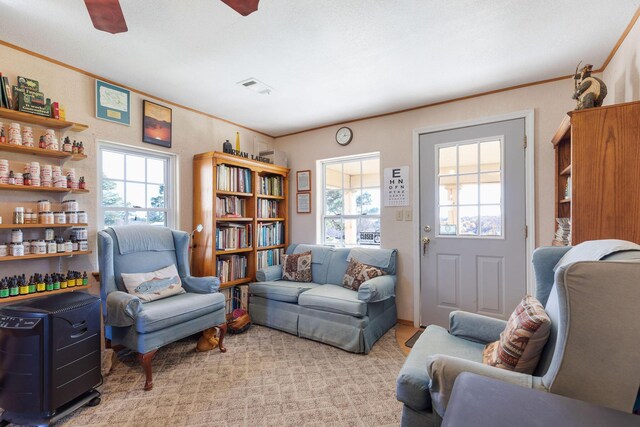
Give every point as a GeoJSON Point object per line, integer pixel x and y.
{"type": "Point", "coordinates": [270, 234]}
{"type": "Point", "coordinates": [230, 206]}
{"type": "Point", "coordinates": [270, 257]}
{"type": "Point", "coordinates": [271, 186]}
{"type": "Point", "coordinates": [230, 178]}
{"type": "Point", "coordinates": [268, 208]}
{"type": "Point", "coordinates": [233, 236]}
{"type": "Point", "coordinates": [236, 297]}
{"type": "Point", "coordinates": [231, 267]}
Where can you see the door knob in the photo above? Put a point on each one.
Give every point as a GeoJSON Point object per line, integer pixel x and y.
{"type": "Point", "coordinates": [427, 228]}
{"type": "Point", "coordinates": [425, 242]}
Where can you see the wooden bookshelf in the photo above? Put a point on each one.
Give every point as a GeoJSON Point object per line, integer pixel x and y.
{"type": "Point", "coordinates": [25, 226]}
{"type": "Point", "coordinates": [33, 256]}
{"type": "Point", "coordinates": [598, 150]}
{"type": "Point", "coordinates": [45, 122]}
{"type": "Point", "coordinates": [205, 191]}
{"type": "Point", "coordinates": [9, 300]}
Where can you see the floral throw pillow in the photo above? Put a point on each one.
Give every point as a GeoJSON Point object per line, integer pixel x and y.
{"type": "Point", "coordinates": [297, 267]}
{"type": "Point", "coordinates": [357, 273]}
{"type": "Point", "coordinates": [523, 339]}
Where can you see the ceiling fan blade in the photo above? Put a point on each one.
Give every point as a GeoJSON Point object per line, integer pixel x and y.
{"type": "Point", "coordinates": [243, 7]}
{"type": "Point", "coordinates": [107, 15]}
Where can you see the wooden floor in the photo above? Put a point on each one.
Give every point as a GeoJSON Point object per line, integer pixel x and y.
{"type": "Point", "coordinates": [403, 333]}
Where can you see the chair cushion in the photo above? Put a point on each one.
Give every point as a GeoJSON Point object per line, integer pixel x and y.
{"type": "Point", "coordinates": [280, 290]}
{"type": "Point", "coordinates": [523, 339]}
{"type": "Point", "coordinates": [357, 273]}
{"type": "Point", "coordinates": [297, 267]}
{"type": "Point", "coordinates": [412, 385]}
{"type": "Point", "coordinates": [161, 314]}
{"type": "Point", "coordinates": [335, 299]}
{"type": "Point", "coordinates": [154, 285]}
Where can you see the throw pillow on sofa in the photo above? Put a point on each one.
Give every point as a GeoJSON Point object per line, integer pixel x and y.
{"type": "Point", "coordinates": [155, 284]}
{"type": "Point", "coordinates": [297, 267]}
{"type": "Point", "coordinates": [357, 273]}
{"type": "Point", "coordinates": [523, 339]}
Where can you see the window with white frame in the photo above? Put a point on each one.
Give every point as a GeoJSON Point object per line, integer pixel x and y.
{"type": "Point", "coordinates": [351, 200]}
{"type": "Point", "coordinates": [136, 187]}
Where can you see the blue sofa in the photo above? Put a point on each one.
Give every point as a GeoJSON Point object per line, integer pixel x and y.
{"type": "Point", "coordinates": [323, 310]}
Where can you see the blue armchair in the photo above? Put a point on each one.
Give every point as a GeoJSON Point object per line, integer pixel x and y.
{"type": "Point", "coordinates": [592, 353]}
{"type": "Point", "coordinates": [146, 327]}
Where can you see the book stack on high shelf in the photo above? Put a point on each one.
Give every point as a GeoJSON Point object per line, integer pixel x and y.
{"type": "Point", "coordinates": [243, 207]}
{"type": "Point", "coordinates": [597, 175]}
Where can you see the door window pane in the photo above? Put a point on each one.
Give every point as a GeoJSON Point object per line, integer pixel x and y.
{"type": "Point", "coordinates": [490, 220]}
{"type": "Point", "coordinates": [490, 188]}
{"type": "Point", "coordinates": [468, 220]}
{"type": "Point", "coordinates": [448, 160]}
{"type": "Point", "coordinates": [468, 158]}
{"type": "Point", "coordinates": [448, 221]}
{"type": "Point", "coordinates": [468, 189]}
{"type": "Point", "coordinates": [490, 156]}
{"type": "Point", "coordinates": [448, 191]}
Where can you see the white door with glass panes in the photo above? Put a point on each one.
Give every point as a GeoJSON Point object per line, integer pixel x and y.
{"type": "Point", "coordinates": [472, 221]}
{"type": "Point", "coordinates": [351, 201]}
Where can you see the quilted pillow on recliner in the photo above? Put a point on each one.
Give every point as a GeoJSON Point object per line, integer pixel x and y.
{"type": "Point", "coordinates": [155, 284]}
{"type": "Point", "coordinates": [523, 339]}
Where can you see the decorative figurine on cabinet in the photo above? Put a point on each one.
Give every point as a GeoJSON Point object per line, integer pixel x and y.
{"type": "Point", "coordinates": [589, 91]}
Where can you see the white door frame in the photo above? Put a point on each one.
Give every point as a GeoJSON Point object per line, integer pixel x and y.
{"type": "Point", "coordinates": [530, 196]}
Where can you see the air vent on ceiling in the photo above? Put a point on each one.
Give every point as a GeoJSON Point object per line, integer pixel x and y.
{"type": "Point", "coordinates": [256, 86]}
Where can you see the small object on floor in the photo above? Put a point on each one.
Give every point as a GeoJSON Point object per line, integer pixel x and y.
{"type": "Point", "coordinates": [208, 341]}
{"type": "Point", "coordinates": [108, 357]}
{"type": "Point", "coordinates": [238, 321]}
{"type": "Point", "coordinates": [411, 341]}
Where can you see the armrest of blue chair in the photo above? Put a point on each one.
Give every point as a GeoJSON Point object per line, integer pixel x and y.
{"type": "Point", "coordinates": [377, 289]}
{"type": "Point", "coordinates": [122, 309]}
{"type": "Point", "coordinates": [443, 371]}
{"type": "Point", "coordinates": [269, 274]}
{"type": "Point", "coordinates": [475, 327]}
{"type": "Point", "coordinates": [201, 285]}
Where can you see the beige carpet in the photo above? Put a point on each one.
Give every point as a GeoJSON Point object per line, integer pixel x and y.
{"type": "Point", "coordinates": [266, 378]}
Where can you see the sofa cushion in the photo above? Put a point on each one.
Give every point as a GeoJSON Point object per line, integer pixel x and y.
{"type": "Point", "coordinates": [297, 268]}
{"type": "Point", "coordinates": [335, 299]}
{"type": "Point", "coordinates": [412, 385]}
{"type": "Point", "coordinates": [280, 290]}
{"type": "Point", "coordinates": [338, 266]}
{"type": "Point", "coordinates": [523, 339]}
{"type": "Point", "coordinates": [161, 314]}
{"type": "Point", "coordinates": [357, 273]}
{"type": "Point", "coordinates": [320, 260]}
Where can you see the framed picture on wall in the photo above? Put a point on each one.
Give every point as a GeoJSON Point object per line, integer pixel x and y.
{"type": "Point", "coordinates": [303, 203]}
{"type": "Point", "coordinates": [113, 103]}
{"type": "Point", "coordinates": [303, 180]}
{"type": "Point", "coordinates": [156, 124]}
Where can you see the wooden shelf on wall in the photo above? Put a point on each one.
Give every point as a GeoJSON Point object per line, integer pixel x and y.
{"type": "Point", "coordinates": [25, 226]}
{"type": "Point", "coordinates": [56, 255]}
{"type": "Point", "coordinates": [266, 196]}
{"type": "Point", "coordinates": [232, 251]}
{"type": "Point", "coordinates": [36, 151]}
{"type": "Point", "coordinates": [41, 189]}
{"type": "Point", "coordinates": [264, 248]}
{"type": "Point", "coordinates": [232, 219]}
{"type": "Point", "coordinates": [9, 300]}
{"type": "Point", "coordinates": [46, 122]}
{"type": "Point", "coordinates": [235, 283]}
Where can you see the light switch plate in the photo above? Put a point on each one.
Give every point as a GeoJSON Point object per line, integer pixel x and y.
{"type": "Point", "coordinates": [408, 215]}
{"type": "Point", "coordinates": [399, 215]}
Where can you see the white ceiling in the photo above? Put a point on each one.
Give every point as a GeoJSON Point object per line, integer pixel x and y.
{"type": "Point", "coordinates": [328, 61]}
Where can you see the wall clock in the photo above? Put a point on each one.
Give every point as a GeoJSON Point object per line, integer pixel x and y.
{"type": "Point", "coordinates": [344, 135]}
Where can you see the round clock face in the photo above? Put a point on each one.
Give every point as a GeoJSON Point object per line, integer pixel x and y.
{"type": "Point", "coordinates": [344, 136]}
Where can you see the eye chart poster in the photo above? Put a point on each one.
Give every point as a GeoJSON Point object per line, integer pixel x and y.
{"type": "Point", "coordinates": [396, 186]}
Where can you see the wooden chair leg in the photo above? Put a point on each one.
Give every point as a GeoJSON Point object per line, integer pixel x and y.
{"type": "Point", "coordinates": [145, 360]}
{"type": "Point", "coordinates": [223, 331]}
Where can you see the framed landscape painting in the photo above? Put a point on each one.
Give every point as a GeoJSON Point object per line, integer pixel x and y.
{"type": "Point", "coordinates": [113, 103]}
{"type": "Point", "coordinates": [156, 124]}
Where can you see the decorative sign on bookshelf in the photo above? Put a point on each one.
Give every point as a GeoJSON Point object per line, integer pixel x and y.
{"type": "Point", "coordinates": [245, 155]}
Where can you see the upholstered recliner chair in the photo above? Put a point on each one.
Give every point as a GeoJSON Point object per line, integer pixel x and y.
{"type": "Point", "coordinates": [593, 352]}
{"type": "Point", "coordinates": [145, 327]}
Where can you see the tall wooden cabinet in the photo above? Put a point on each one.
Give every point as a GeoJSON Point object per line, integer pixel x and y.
{"type": "Point", "coordinates": [598, 150]}
{"type": "Point", "coordinates": [243, 206]}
